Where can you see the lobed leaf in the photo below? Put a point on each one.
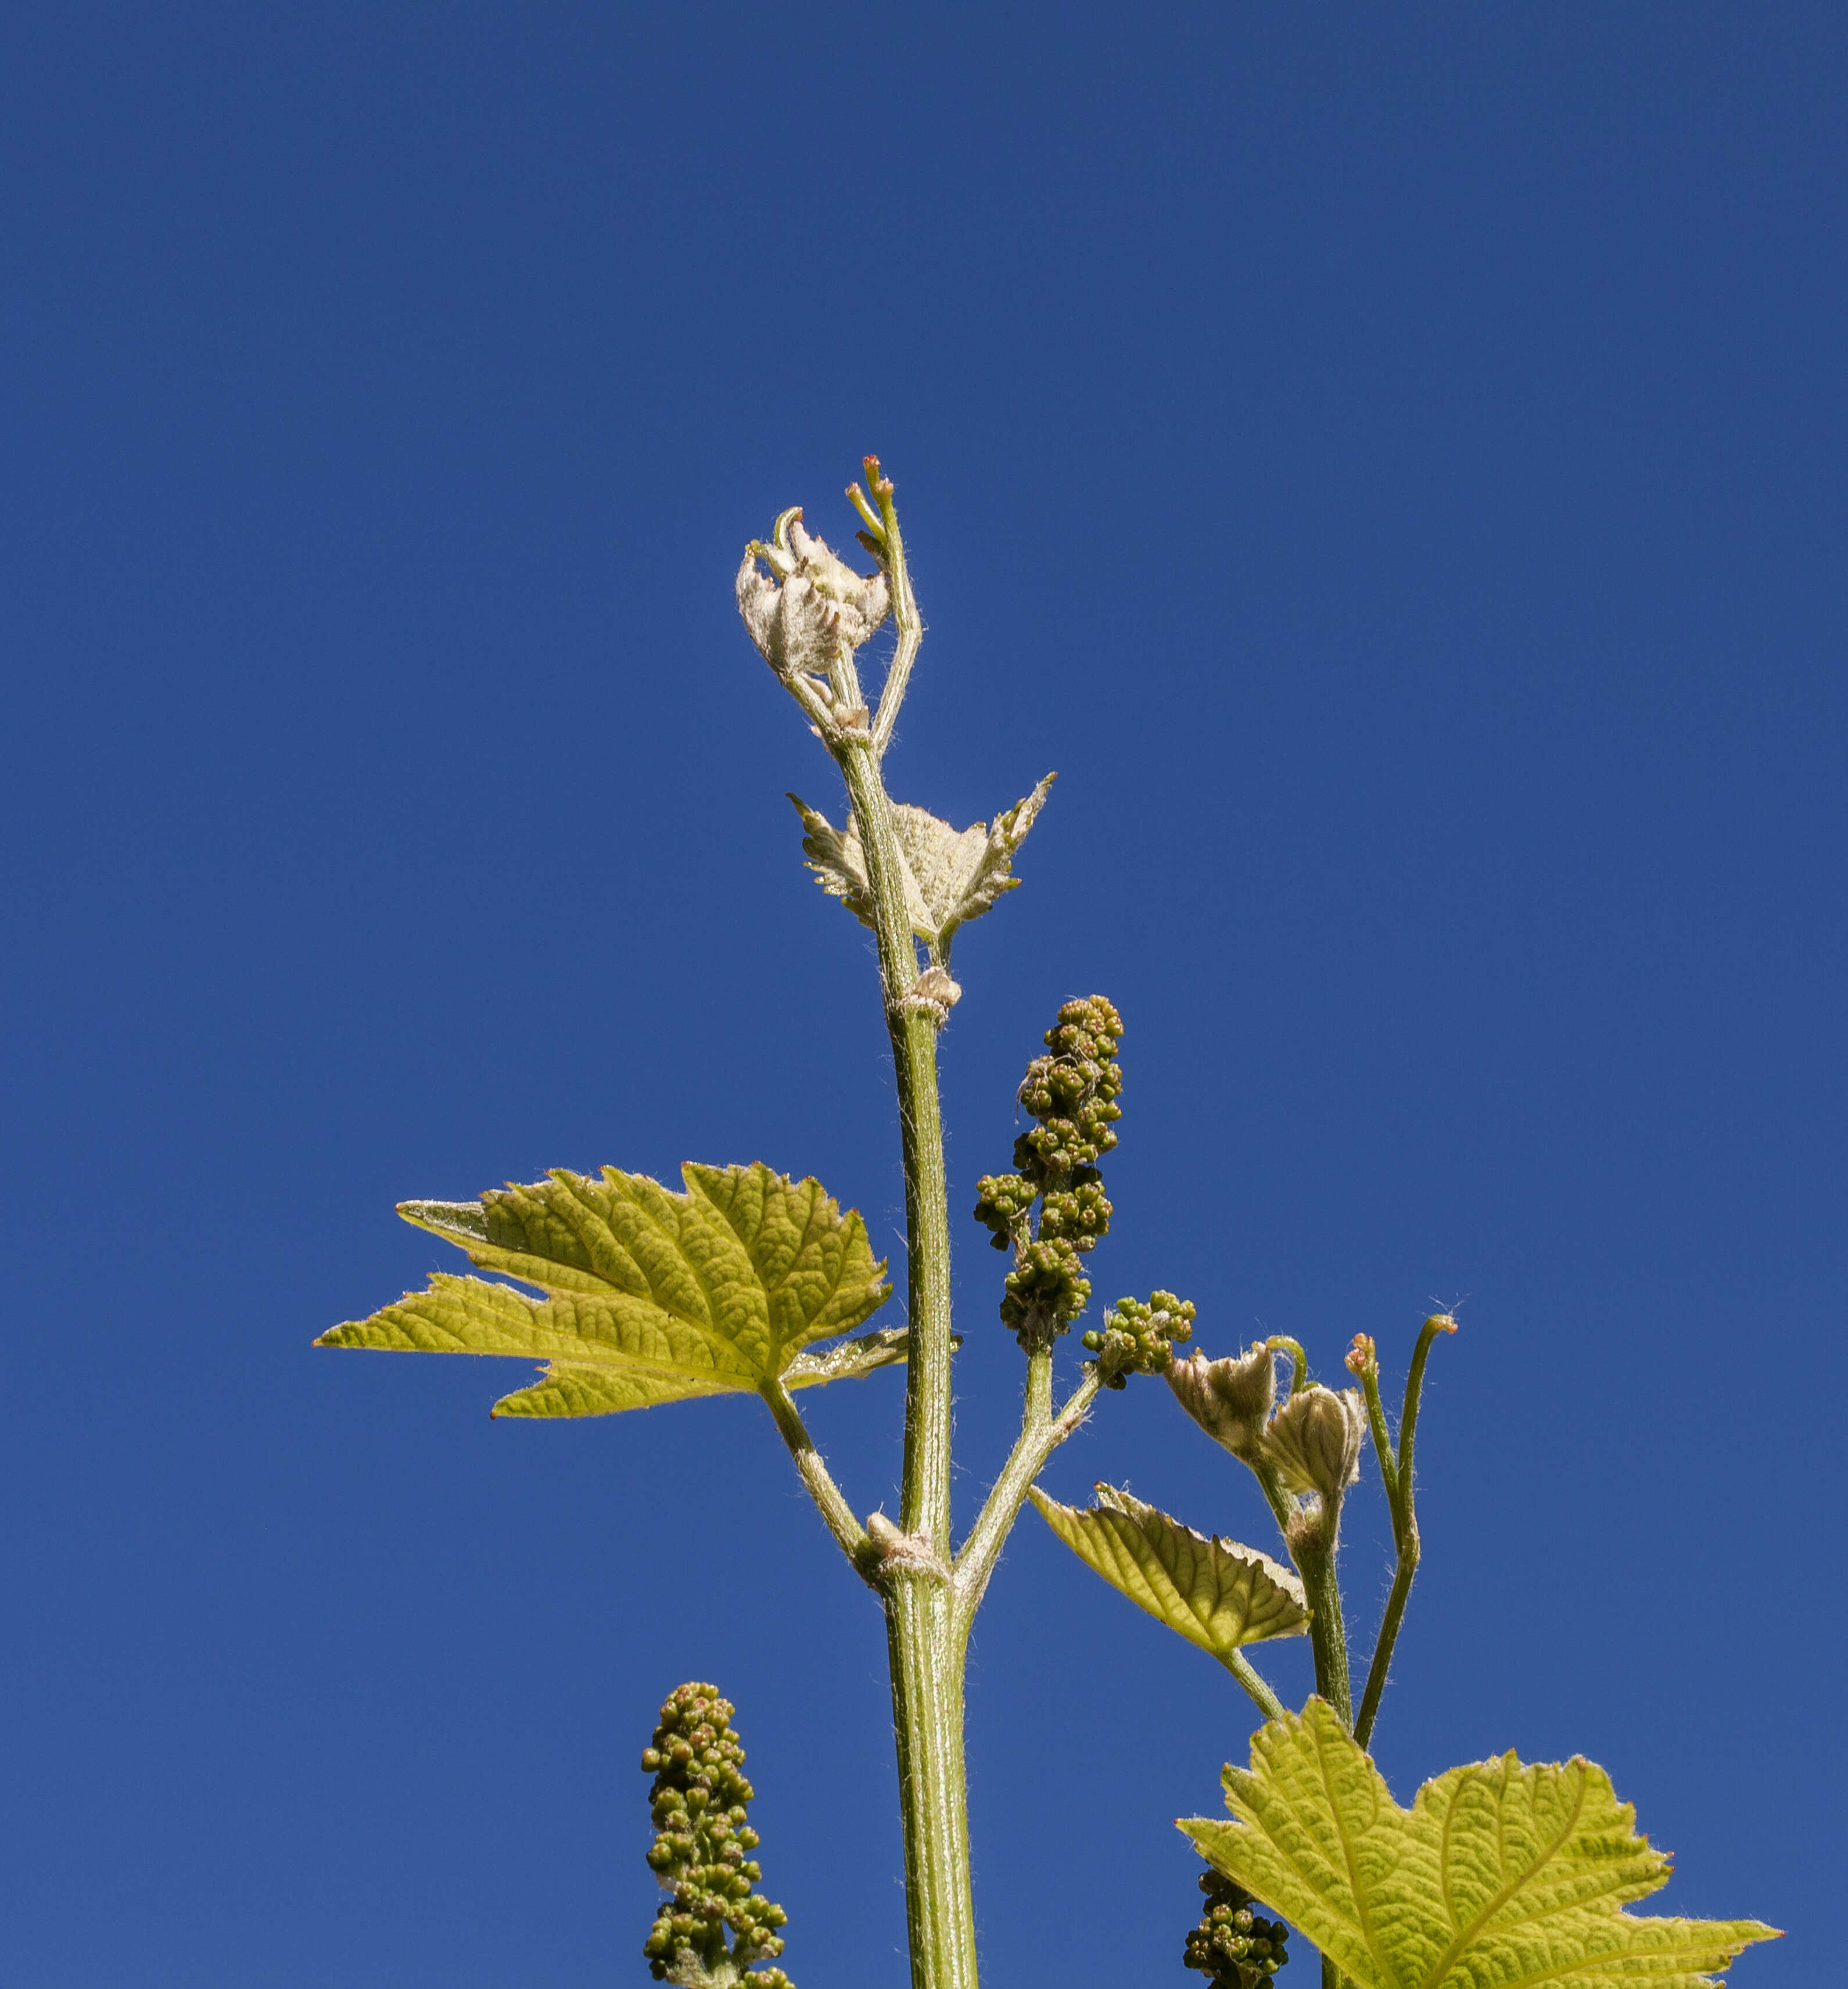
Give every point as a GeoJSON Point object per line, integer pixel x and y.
{"type": "Point", "coordinates": [949, 876]}
{"type": "Point", "coordinates": [837, 860]}
{"type": "Point", "coordinates": [993, 872]}
{"type": "Point", "coordinates": [1498, 1876]}
{"type": "Point", "coordinates": [1216, 1593]}
{"type": "Point", "coordinates": [650, 1295]}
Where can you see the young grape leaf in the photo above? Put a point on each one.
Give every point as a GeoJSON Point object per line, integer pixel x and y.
{"type": "Point", "coordinates": [940, 862]}
{"type": "Point", "coordinates": [1216, 1593]}
{"type": "Point", "coordinates": [992, 872]}
{"type": "Point", "coordinates": [1497, 1875]}
{"type": "Point", "coordinates": [949, 876]}
{"type": "Point", "coordinates": [650, 1295]}
{"type": "Point", "coordinates": [838, 862]}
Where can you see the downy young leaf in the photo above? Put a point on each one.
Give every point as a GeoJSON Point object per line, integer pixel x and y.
{"type": "Point", "coordinates": [1498, 1877]}
{"type": "Point", "coordinates": [950, 876]}
{"type": "Point", "coordinates": [992, 873]}
{"type": "Point", "coordinates": [1216, 1593]}
{"type": "Point", "coordinates": [650, 1295]}
{"type": "Point", "coordinates": [838, 862]}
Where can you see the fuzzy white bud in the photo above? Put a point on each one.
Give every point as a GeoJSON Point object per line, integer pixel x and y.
{"type": "Point", "coordinates": [809, 602]}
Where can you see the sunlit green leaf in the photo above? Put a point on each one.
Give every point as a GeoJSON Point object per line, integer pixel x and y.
{"type": "Point", "coordinates": [650, 1295]}
{"type": "Point", "coordinates": [1498, 1877]}
{"type": "Point", "coordinates": [1216, 1593]}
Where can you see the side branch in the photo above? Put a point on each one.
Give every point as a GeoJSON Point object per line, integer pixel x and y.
{"type": "Point", "coordinates": [882, 537]}
{"type": "Point", "coordinates": [858, 1545]}
{"type": "Point", "coordinates": [1405, 1521]}
{"type": "Point", "coordinates": [1041, 1433]}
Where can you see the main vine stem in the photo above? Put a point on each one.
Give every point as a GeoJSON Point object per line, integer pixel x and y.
{"type": "Point", "coordinates": [928, 1646]}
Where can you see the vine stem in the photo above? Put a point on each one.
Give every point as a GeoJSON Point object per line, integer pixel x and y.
{"type": "Point", "coordinates": [926, 1646]}
{"type": "Point", "coordinates": [1309, 1535]}
{"type": "Point", "coordinates": [1396, 1471]}
{"type": "Point", "coordinates": [929, 1605]}
{"type": "Point", "coordinates": [1041, 1433]}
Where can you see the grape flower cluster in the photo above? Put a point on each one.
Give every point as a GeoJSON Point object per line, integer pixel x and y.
{"type": "Point", "coordinates": [1139, 1339]}
{"type": "Point", "coordinates": [700, 1852]}
{"type": "Point", "coordinates": [1071, 1094]}
{"type": "Point", "coordinates": [1233, 1947]}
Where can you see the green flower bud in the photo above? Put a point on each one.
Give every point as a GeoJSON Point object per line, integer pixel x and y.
{"type": "Point", "coordinates": [1002, 1202]}
{"type": "Point", "coordinates": [698, 1804]}
{"type": "Point", "coordinates": [1235, 1947]}
{"type": "Point", "coordinates": [1314, 1441]}
{"type": "Point", "coordinates": [1231, 1400]}
{"type": "Point", "coordinates": [1080, 1214]}
{"type": "Point", "coordinates": [1045, 1292]}
{"type": "Point", "coordinates": [1137, 1338]}
{"type": "Point", "coordinates": [1071, 1093]}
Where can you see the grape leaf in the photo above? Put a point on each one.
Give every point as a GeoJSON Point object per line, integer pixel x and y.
{"type": "Point", "coordinates": [992, 871]}
{"type": "Point", "coordinates": [1498, 1877]}
{"type": "Point", "coordinates": [1216, 1593]}
{"type": "Point", "coordinates": [838, 862]}
{"type": "Point", "coordinates": [950, 876]}
{"type": "Point", "coordinates": [650, 1296]}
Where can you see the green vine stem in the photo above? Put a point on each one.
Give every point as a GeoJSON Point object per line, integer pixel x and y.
{"type": "Point", "coordinates": [1397, 1472]}
{"type": "Point", "coordinates": [1041, 1433]}
{"type": "Point", "coordinates": [930, 1597]}
{"type": "Point", "coordinates": [925, 1652]}
{"type": "Point", "coordinates": [1254, 1683]}
{"type": "Point", "coordinates": [1314, 1560]}
{"type": "Point", "coordinates": [1309, 1533]}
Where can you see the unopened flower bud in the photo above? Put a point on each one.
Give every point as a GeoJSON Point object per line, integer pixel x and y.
{"type": "Point", "coordinates": [1314, 1440]}
{"type": "Point", "coordinates": [809, 600]}
{"type": "Point", "coordinates": [1362, 1358]}
{"type": "Point", "coordinates": [1230, 1399]}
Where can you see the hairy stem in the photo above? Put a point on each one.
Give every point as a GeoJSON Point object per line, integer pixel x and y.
{"type": "Point", "coordinates": [913, 1026]}
{"type": "Point", "coordinates": [1041, 1433]}
{"type": "Point", "coordinates": [1309, 1535]}
{"type": "Point", "coordinates": [1439, 1322]}
{"type": "Point", "coordinates": [1382, 1440]}
{"type": "Point", "coordinates": [927, 1649]}
{"type": "Point", "coordinates": [1405, 1521]}
{"type": "Point", "coordinates": [1328, 1636]}
{"type": "Point", "coordinates": [854, 1541]}
{"type": "Point", "coordinates": [1266, 1700]}
{"type": "Point", "coordinates": [905, 615]}
{"type": "Point", "coordinates": [1389, 1633]}
{"type": "Point", "coordinates": [927, 1662]}
{"type": "Point", "coordinates": [1283, 1508]}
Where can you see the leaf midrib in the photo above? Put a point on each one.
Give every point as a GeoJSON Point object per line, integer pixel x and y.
{"type": "Point", "coordinates": [1466, 1935]}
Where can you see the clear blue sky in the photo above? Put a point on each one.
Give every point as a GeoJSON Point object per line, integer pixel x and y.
{"type": "Point", "coordinates": [1390, 461]}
